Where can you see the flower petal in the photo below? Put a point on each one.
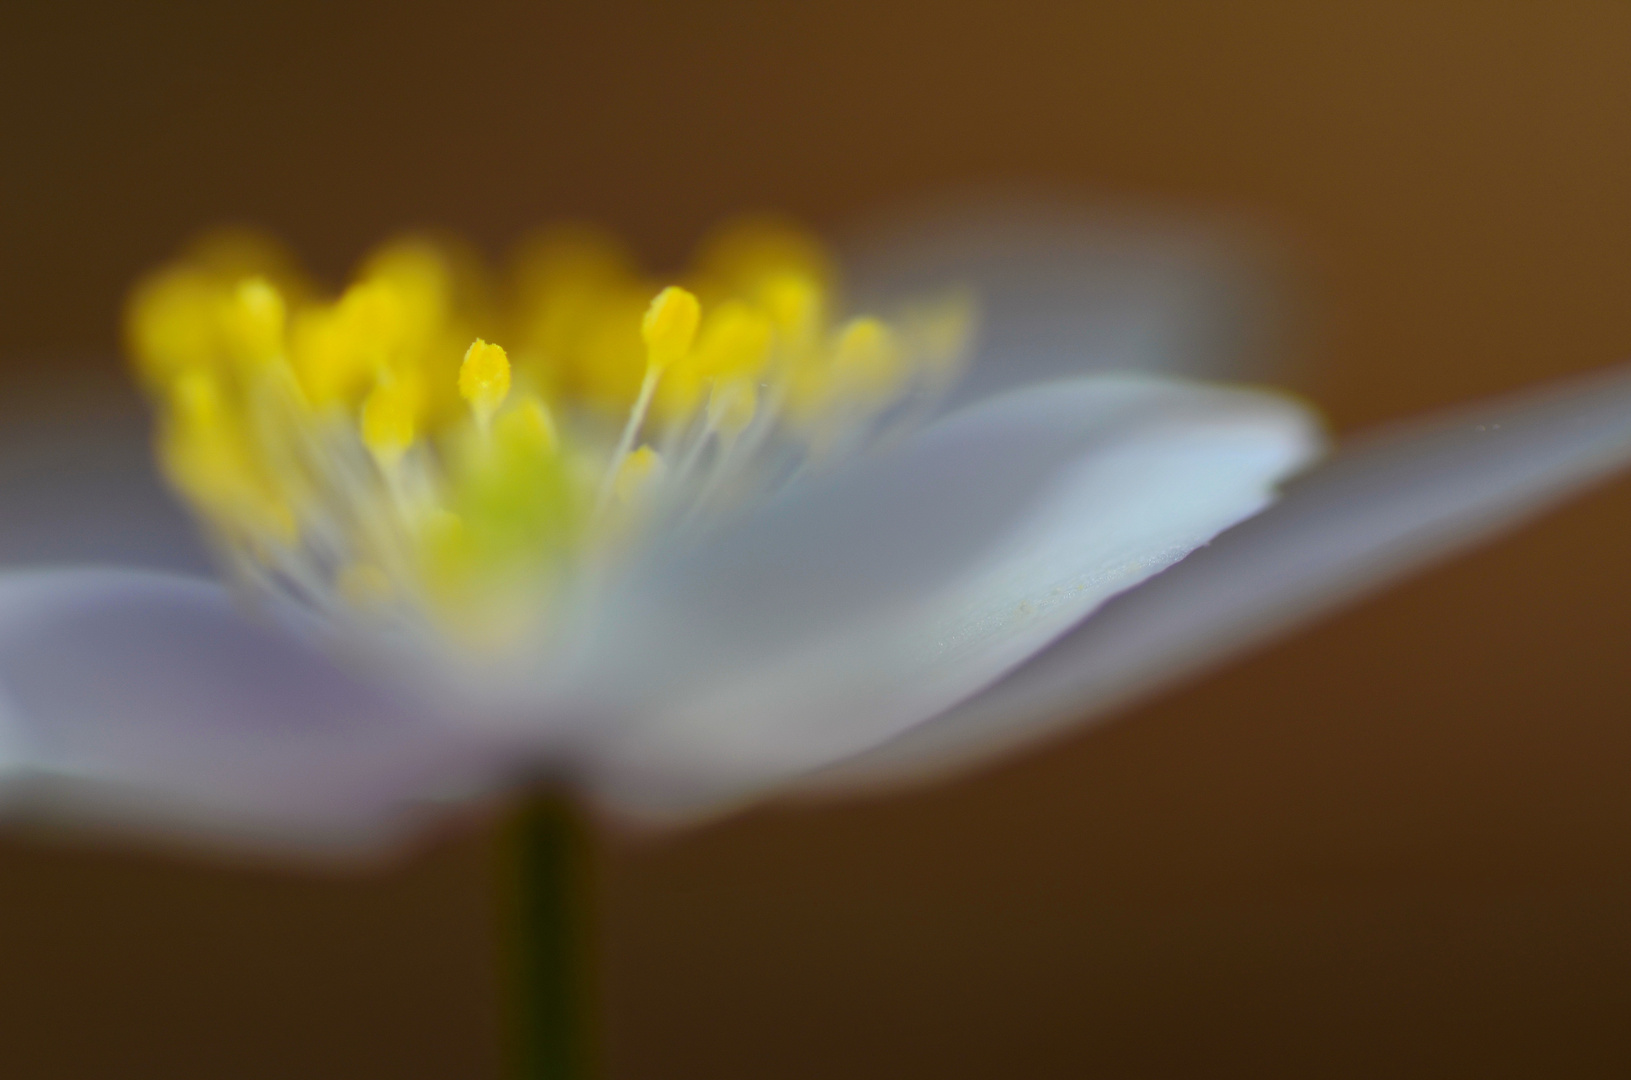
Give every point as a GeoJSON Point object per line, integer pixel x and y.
{"type": "Point", "coordinates": [1063, 290]}
{"type": "Point", "coordinates": [858, 605]}
{"type": "Point", "coordinates": [1383, 507]}
{"type": "Point", "coordinates": [144, 701]}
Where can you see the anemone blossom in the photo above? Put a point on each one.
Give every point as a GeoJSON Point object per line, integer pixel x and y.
{"type": "Point", "coordinates": [687, 551]}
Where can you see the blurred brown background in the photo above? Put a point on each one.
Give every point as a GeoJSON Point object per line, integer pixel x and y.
{"type": "Point", "coordinates": [1397, 845]}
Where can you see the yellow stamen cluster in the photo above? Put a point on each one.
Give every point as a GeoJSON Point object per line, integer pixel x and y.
{"type": "Point", "coordinates": [379, 451]}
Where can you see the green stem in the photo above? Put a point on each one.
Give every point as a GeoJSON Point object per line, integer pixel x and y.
{"type": "Point", "coordinates": [552, 1003]}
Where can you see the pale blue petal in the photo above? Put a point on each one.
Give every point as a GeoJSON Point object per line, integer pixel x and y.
{"type": "Point", "coordinates": [1382, 508]}
{"type": "Point", "coordinates": [853, 609]}
{"type": "Point", "coordinates": [144, 702]}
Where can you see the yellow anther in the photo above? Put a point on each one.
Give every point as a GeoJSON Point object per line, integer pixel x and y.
{"type": "Point", "coordinates": [527, 426]}
{"type": "Point", "coordinates": [331, 369]}
{"type": "Point", "coordinates": [795, 304]}
{"type": "Point", "coordinates": [670, 326]}
{"type": "Point", "coordinates": [639, 473]}
{"type": "Point", "coordinates": [419, 277]}
{"type": "Point", "coordinates": [374, 321]}
{"type": "Point", "coordinates": [170, 324]}
{"type": "Point", "coordinates": [484, 379]}
{"type": "Point", "coordinates": [867, 360]}
{"type": "Point", "coordinates": [735, 341]}
{"type": "Point", "coordinates": [253, 320]}
{"type": "Point", "coordinates": [388, 426]}
{"type": "Point", "coordinates": [731, 407]}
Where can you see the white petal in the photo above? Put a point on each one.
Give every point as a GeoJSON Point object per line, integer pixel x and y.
{"type": "Point", "coordinates": [839, 617]}
{"type": "Point", "coordinates": [1380, 509]}
{"type": "Point", "coordinates": [144, 701]}
{"type": "Point", "coordinates": [1065, 290]}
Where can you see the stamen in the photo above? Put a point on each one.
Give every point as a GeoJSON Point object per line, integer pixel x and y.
{"type": "Point", "coordinates": [388, 423]}
{"type": "Point", "coordinates": [669, 328]}
{"type": "Point", "coordinates": [484, 380]}
{"type": "Point", "coordinates": [364, 455]}
{"type": "Point", "coordinates": [254, 323]}
{"type": "Point", "coordinates": [529, 424]}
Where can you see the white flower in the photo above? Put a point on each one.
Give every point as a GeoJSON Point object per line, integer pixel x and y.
{"type": "Point", "coordinates": [996, 572]}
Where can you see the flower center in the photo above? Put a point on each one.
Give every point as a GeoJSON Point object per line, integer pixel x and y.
{"type": "Point", "coordinates": [425, 450]}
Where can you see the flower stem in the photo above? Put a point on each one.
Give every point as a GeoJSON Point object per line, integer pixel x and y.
{"type": "Point", "coordinates": [552, 1016]}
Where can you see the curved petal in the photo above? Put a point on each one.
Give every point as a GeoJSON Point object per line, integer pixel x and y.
{"type": "Point", "coordinates": [881, 596]}
{"type": "Point", "coordinates": [1381, 508]}
{"type": "Point", "coordinates": [1065, 290]}
{"type": "Point", "coordinates": [144, 701]}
